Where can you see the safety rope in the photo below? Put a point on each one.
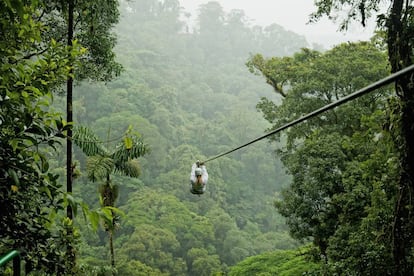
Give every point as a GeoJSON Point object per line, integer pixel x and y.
{"type": "Point", "coordinates": [352, 96]}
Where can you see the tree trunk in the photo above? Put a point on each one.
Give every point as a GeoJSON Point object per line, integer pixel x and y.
{"type": "Point", "coordinates": [403, 228]}
{"type": "Point", "coordinates": [71, 255]}
{"type": "Point", "coordinates": [111, 248]}
{"type": "Point", "coordinates": [108, 198]}
{"type": "Point", "coordinates": [69, 113]}
{"type": "Point", "coordinates": [399, 51]}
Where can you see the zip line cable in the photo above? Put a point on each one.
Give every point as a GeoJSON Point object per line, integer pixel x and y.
{"type": "Point", "coordinates": [359, 93]}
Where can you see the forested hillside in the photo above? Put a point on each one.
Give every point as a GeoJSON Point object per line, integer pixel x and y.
{"type": "Point", "coordinates": [190, 96]}
{"type": "Point", "coordinates": [151, 93]}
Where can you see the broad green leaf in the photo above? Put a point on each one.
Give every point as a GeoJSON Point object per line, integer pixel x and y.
{"type": "Point", "coordinates": [94, 219]}
{"type": "Point", "coordinates": [128, 143]}
{"type": "Point", "coordinates": [12, 173]}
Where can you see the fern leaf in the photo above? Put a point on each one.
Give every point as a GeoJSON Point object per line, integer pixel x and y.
{"type": "Point", "coordinates": [135, 150]}
{"type": "Point", "coordinates": [87, 141]}
{"type": "Point", "coordinates": [99, 167]}
{"type": "Point", "coordinates": [130, 168]}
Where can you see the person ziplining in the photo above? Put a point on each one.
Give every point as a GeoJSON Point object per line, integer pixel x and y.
{"type": "Point", "coordinates": [198, 178]}
{"type": "Point", "coordinates": [199, 175]}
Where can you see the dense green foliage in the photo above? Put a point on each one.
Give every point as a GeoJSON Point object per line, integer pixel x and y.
{"type": "Point", "coordinates": [351, 179]}
{"type": "Point", "coordinates": [102, 163]}
{"type": "Point", "coordinates": [343, 164]}
{"type": "Point", "coordinates": [316, 145]}
{"type": "Point", "coordinates": [188, 102]}
{"type": "Point", "coordinates": [335, 160]}
{"type": "Point", "coordinates": [92, 28]}
{"type": "Point", "coordinates": [283, 263]}
{"type": "Point", "coordinates": [30, 194]}
{"type": "Point", "coordinates": [396, 23]}
{"type": "Point", "coordinates": [187, 91]}
{"type": "Point", "coordinates": [35, 63]}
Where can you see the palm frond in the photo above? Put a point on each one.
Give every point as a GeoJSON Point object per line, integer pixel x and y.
{"type": "Point", "coordinates": [99, 167]}
{"type": "Point", "coordinates": [87, 141]}
{"type": "Point", "coordinates": [130, 168]}
{"type": "Point", "coordinates": [134, 150]}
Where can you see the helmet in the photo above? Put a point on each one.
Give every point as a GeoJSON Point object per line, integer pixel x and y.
{"type": "Point", "coordinates": [198, 171]}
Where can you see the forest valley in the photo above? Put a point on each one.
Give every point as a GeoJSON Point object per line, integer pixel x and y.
{"type": "Point", "coordinates": [131, 93]}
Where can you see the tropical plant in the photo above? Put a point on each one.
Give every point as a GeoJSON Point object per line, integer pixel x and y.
{"type": "Point", "coordinates": [31, 198]}
{"type": "Point", "coordinates": [102, 163]}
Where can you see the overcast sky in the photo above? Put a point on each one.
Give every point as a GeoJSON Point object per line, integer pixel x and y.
{"type": "Point", "coordinates": [292, 15]}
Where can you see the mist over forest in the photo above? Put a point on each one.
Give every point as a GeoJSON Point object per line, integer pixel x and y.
{"type": "Point", "coordinates": [131, 94]}
{"type": "Point", "coordinates": [190, 96]}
